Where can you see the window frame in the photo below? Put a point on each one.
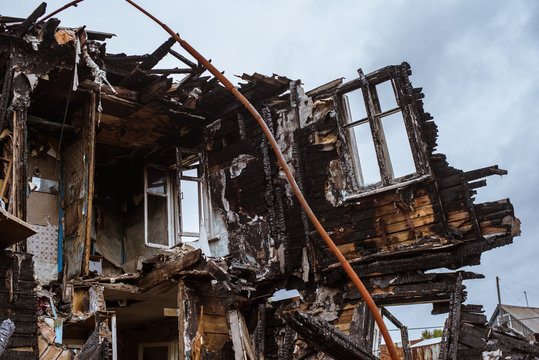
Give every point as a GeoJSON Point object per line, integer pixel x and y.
{"type": "Point", "coordinates": [174, 178]}
{"type": "Point", "coordinates": [366, 84]}
{"type": "Point", "coordinates": [170, 207]}
{"type": "Point", "coordinates": [203, 193]}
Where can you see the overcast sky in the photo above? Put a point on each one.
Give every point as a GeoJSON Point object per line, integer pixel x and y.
{"type": "Point", "coordinates": [477, 62]}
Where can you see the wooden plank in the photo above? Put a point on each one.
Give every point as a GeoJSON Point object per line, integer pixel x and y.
{"type": "Point", "coordinates": [91, 121]}
{"type": "Point", "coordinates": [235, 334]}
{"type": "Point", "coordinates": [170, 268]}
{"type": "Point", "coordinates": [13, 229]}
{"type": "Point", "coordinates": [30, 20]}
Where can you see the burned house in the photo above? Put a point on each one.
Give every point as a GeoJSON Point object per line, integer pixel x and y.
{"type": "Point", "coordinates": [164, 225]}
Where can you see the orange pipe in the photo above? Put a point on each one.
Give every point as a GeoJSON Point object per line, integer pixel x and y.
{"type": "Point", "coordinates": [73, 3]}
{"type": "Point", "coordinates": [344, 263]}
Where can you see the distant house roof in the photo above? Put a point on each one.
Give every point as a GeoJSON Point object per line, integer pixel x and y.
{"type": "Point", "coordinates": [528, 316]}
{"type": "Point", "coordinates": [427, 342]}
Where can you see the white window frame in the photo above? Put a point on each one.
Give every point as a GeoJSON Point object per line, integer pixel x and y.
{"type": "Point", "coordinates": [203, 194]}
{"type": "Point", "coordinates": [174, 178]}
{"type": "Point", "coordinates": [170, 207]}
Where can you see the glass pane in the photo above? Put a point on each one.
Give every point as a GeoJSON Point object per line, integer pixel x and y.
{"type": "Point", "coordinates": [157, 181]}
{"type": "Point", "coordinates": [398, 145]}
{"type": "Point", "coordinates": [185, 239]}
{"type": "Point", "coordinates": [191, 170]}
{"type": "Point", "coordinates": [386, 96]}
{"type": "Point", "coordinates": [157, 220]}
{"type": "Point", "coordinates": [367, 154]}
{"type": "Point", "coordinates": [190, 206]}
{"type": "Point", "coordinates": [356, 105]}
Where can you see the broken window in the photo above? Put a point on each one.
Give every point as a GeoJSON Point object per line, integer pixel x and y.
{"type": "Point", "coordinates": [175, 201]}
{"type": "Point", "coordinates": [158, 207]}
{"type": "Point", "coordinates": [380, 132]}
{"type": "Point", "coordinates": [191, 197]}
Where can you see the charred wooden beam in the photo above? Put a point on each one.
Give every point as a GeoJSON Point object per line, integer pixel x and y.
{"type": "Point", "coordinates": [187, 319]}
{"type": "Point", "coordinates": [90, 119]}
{"type": "Point", "coordinates": [362, 326]}
{"type": "Point", "coordinates": [34, 120]}
{"type": "Point", "coordinates": [168, 71]}
{"type": "Point", "coordinates": [484, 172]}
{"type": "Point", "coordinates": [6, 91]}
{"type": "Point", "coordinates": [126, 58]}
{"type": "Point", "coordinates": [157, 55]}
{"type": "Point", "coordinates": [171, 268]}
{"type": "Point", "coordinates": [48, 29]}
{"type": "Point", "coordinates": [326, 338]}
{"type": "Point", "coordinates": [182, 58]}
{"type": "Point", "coordinates": [155, 90]}
{"type": "Point", "coordinates": [477, 184]}
{"type": "Point", "coordinates": [10, 19]}
{"type": "Point", "coordinates": [138, 73]}
{"type": "Point", "coordinates": [121, 92]}
{"type": "Point", "coordinates": [30, 20]}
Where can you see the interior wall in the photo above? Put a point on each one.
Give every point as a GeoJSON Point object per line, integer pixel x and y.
{"type": "Point", "coordinates": [43, 211]}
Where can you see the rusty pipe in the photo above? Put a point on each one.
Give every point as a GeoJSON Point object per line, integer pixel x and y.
{"type": "Point", "coordinates": [72, 3]}
{"type": "Point", "coordinates": [344, 263]}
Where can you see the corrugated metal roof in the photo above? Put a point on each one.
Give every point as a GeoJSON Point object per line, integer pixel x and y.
{"type": "Point", "coordinates": [427, 342]}
{"type": "Point", "coordinates": [526, 315]}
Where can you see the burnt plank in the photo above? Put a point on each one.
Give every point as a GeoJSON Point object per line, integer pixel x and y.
{"type": "Point", "coordinates": [30, 20]}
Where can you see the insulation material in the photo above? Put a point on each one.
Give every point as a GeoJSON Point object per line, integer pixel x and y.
{"type": "Point", "coordinates": [44, 246]}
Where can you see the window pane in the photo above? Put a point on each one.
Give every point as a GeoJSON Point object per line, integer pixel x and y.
{"type": "Point", "coordinates": [386, 96]}
{"type": "Point", "coordinates": [185, 239]}
{"type": "Point", "coordinates": [398, 145]}
{"type": "Point", "coordinates": [157, 220]}
{"type": "Point", "coordinates": [356, 105]}
{"type": "Point", "coordinates": [191, 170]}
{"type": "Point", "coordinates": [157, 181]}
{"type": "Point", "coordinates": [190, 206]}
{"type": "Point", "coordinates": [367, 154]}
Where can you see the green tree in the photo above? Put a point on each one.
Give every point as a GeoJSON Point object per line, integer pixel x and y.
{"type": "Point", "coordinates": [427, 334]}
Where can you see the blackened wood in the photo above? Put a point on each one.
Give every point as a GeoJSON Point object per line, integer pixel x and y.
{"type": "Point", "coordinates": [182, 58]}
{"type": "Point", "coordinates": [126, 58]}
{"type": "Point", "coordinates": [6, 91]}
{"type": "Point", "coordinates": [286, 348]}
{"type": "Point", "coordinates": [362, 326]}
{"type": "Point", "coordinates": [90, 346]}
{"type": "Point", "coordinates": [48, 30]}
{"type": "Point", "coordinates": [168, 71]}
{"type": "Point", "coordinates": [171, 268]}
{"type": "Point", "coordinates": [484, 172]}
{"type": "Point", "coordinates": [30, 20]}
{"type": "Point", "coordinates": [157, 55]}
{"type": "Point", "coordinates": [326, 338]}
{"type": "Point", "coordinates": [187, 319]}
{"type": "Point", "coordinates": [90, 119]}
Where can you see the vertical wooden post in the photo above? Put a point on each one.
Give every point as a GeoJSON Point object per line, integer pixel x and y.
{"type": "Point", "coordinates": [187, 322]}
{"type": "Point", "coordinates": [90, 122]}
{"type": "Point", "coordinates": [20, 167]}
